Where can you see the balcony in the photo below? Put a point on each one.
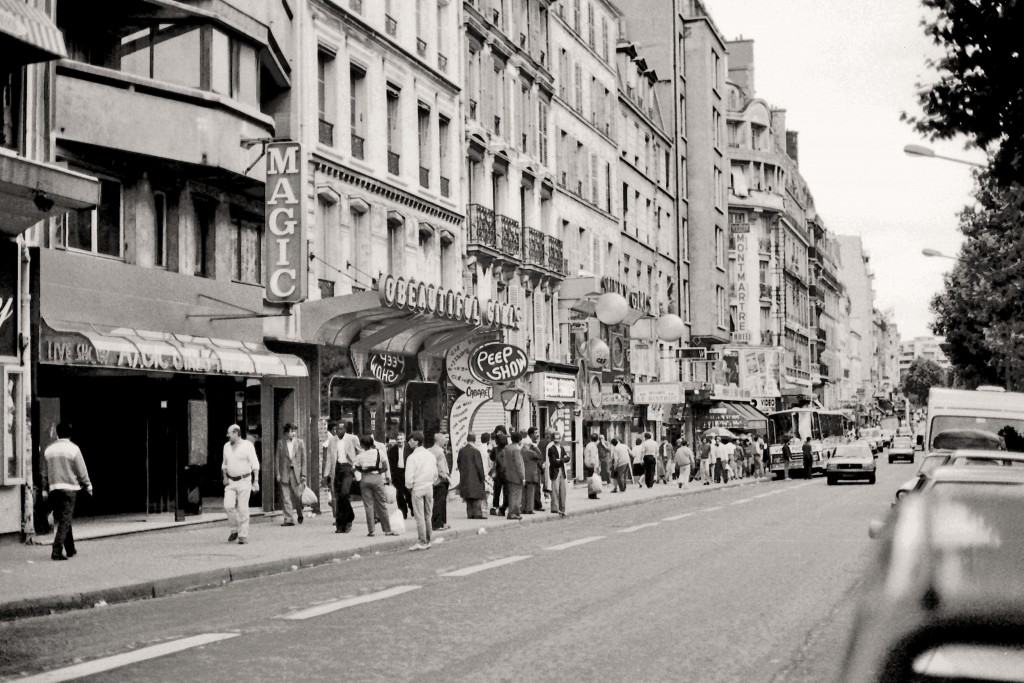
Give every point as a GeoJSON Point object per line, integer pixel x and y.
{"type": "Point", "coordinates": [358, 150]}
{"type": "Point", "coordinates": [767, 339]}
{"type": "Point", "coordinates": [394, 166]}
{"type": "Point", "coordinates": [446, 190]}
{"type": "Point", "coordinates": [480, 231]}
{"type": "Point", "coordinates": [424, 177]}
{"type": "Point", "coordinates": [442, 63]}
{"type": "Point", "coordinates": [812, 253]}
{"type": "Point", "coordinates": [509, 236]}
{"type": "Point", "coordinates": [390, 25]}
{"type": "Point", "coordinates": [326, 133]}
{"type": "Point", "coordinates": [533, 248]}
{"type": "Point", "coordinates": [765, 291]}
{"type": "Point", "coordinates": [556, 262]}
{"type": "Point", "coordinates": [421, 47]}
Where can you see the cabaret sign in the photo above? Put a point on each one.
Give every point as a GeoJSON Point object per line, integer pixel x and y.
{"type": "Point", "coordinates": [446, 304]}
{"type": "Point", "coordinates": [387, 367]}
{"type": "Point", "coordinates": [497, 362]}
{"type": "Point", "coordinates": [286, 235]}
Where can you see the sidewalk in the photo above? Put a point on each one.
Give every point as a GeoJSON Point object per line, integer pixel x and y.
{"type": "Point", "coordinates": [134, 566]}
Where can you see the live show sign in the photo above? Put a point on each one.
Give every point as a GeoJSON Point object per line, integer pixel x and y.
{"type": "Point", "coordinates": [495, 362]}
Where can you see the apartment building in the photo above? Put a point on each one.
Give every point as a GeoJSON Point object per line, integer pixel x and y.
{"type": "Point", "coordinates": [856, 275]}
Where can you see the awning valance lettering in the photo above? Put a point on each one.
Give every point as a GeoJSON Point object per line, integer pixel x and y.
{"type": "Point", "coordinates": [733, 415]}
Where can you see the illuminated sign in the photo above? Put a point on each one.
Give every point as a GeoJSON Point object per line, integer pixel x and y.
{"type": "Point", "coordinates": [286, 235]}
{"type": "Point", "coordinates": [447, 304]}
{"type": "Point", "coordinates": [387, 367]}
{"type": "Point", "coordinates": [497, 362]}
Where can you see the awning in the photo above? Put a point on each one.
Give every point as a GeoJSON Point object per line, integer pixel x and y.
{"type": "Point", "coordinates": [28, 35]}
{"type": "Point", "coordinates": [85, 345]}
{"type": "Point", "coordinates": [32, 190]}
{"type": "Point", "coordinates": [733, 415]}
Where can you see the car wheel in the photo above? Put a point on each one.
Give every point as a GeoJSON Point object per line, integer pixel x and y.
{"type": "Point", "coordinates": [831, 481]}
{"type": "Point", "coordinates": [871, 479]}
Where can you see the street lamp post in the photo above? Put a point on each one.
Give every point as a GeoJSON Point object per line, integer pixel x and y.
{"type": "Point", "coordinates": [922, 151]}
{"type": "Point", "coordinates": [935, 253]}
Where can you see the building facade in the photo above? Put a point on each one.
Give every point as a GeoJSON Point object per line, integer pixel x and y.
{"type": "Point", "coordinates": [858, 278]}
{"type": "Point", "coordinates": [926, 348]}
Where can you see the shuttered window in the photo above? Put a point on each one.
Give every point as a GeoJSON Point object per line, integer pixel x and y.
{"type": "Point", "coordinates": [542, 123]}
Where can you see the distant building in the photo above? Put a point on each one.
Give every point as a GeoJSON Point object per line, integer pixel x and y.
{"type": "Point", "coordinates": [925, 348]}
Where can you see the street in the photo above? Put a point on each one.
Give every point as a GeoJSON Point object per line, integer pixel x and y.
{"type": "Point", "coordinates": [747, 584]}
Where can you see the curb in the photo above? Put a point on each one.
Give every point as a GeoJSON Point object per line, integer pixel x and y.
{"type": "Point", "coordinates": [213, 578]}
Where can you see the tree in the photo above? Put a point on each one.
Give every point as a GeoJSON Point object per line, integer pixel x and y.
{"type": "Point", "coordinates": [981, 306]}
{"type": "Point", "coordinates": [980, 88]}
{"type": "Point", "coordinates": [922, 376]}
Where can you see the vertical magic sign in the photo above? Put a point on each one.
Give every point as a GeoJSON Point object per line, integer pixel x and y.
{"type": "Point", "coordinates": [286, 227]}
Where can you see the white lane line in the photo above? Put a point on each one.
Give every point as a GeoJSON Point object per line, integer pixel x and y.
{"type": "Point", "coordinates": [762, 495]}
{"type": "Point", "coordinates": [741, 501]}
{"type": "Point", "coordinates": [487, 565]}
{"type": "Point", "coordinates": [573, 544]}
{"type": "Point", "coordinates": [638, 527]}
{"type": "Point", "coordinates": [70, 673]}
{"type": "Point", "coordinates": [717, 507]}
{"type": "Point", "coordinates": [673, 518]}
{"type": "Point", "coordinates": [329, 607]}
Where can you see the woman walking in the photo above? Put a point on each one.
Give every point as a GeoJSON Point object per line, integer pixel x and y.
{"type": "Point", "coordinates": [372, 466]}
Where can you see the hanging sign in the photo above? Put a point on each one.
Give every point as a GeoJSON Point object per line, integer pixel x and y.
{"type": "Point", "coordinates": [286, 228]}
{"type": "Point", "coordinates": [389, 368]}
{"type": "Point", "coordinates": [496, 362]}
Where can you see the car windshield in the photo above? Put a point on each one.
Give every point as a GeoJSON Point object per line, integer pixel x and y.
{"type": "Point", "coordinates": [951, 432]}
{"type": "Point", "coordinates": [851, 451]}
{"type": "Point", "coordinates": [902, 442]}
{"type": "Point", "coordinates": [976, 461]}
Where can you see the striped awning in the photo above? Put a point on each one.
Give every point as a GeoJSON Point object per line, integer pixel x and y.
{"type": "Point", "coordinates": [28, 35]}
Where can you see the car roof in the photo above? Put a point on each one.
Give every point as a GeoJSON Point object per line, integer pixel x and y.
{"type": "Point", "coordinates": [978, 475]}
{"type": "Point", "coordinates": [853, 447]}
{"type": "Point", "coordinates": [984, 454]}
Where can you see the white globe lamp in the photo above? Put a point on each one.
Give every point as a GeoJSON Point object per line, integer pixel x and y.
{"type": "Point", "coordinates": [597, 353]}
{"type": "Point", "coordinates": [669, 328]}
{"type": "Point", "coordinates": [611, 308]}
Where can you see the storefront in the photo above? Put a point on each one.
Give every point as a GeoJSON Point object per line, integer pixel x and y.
{"type": "Point", "coordinates": [728, 407]}
{"type": "Point", "coordinates": [556, 407]}
{"type": "Point", "coordinates": [658, 400]}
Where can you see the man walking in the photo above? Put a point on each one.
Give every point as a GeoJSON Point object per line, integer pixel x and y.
{"type": "Point", "coordinates": [591, 461]}
{"type": "Point", "coordinates": [330, 461]}
{"type": "Point", "coordinates": [241, 471]}
{"type": "Point", "coordinates": [705, 461]}
{"type": "Point", "coordinates": [649, 448]}
{"type": "Point", "coordinates": [397, 453]}
{"type": "Point", "coordinates": [683, 460]}
{"type": "Point", "coordinates": [63, 474]}
{"type": "Point", "coordinates": [344, 474]}
{"type": "Point", "coordinates": [808, 458]}
{"type": "Point", "coordinates": [291, 474]}
{"type": "Point", "coordinates": [604, 456]}
{"type": "Point", "coordinates": [557, 456]}
{"type": "Point", "coordinates": [532, 474]}
{"type": "Point", "coordinates": [515, 475]}
{"type": "Point", "coordinates": [420, 473]}
{"type": "Point", "coordinates": [439, 521]}
{"type": "Point", "coordinates": [758, 464]}
{"type": "Point", "coordinates": [499, 501]}
{"type": "Point", "coordinates": [787, 456]}
{"type": "Point", "coordinates": [471, 472]}
{"type": "Point", "coordinates": [620, 461]}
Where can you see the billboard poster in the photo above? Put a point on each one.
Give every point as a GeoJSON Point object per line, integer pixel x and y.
{"type": "Point", "coordinates": [755, 370]}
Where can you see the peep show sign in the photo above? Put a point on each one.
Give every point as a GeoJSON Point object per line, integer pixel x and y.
{"type": "Point", "coordinates": [388, 368]}
{"type": "Point", "coordinates": [496, 362]}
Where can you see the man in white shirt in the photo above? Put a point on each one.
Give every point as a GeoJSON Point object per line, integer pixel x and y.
{"type": "Point", "coordinates": [649, 450]}
{"type": "Point", "coordinates": [344, 474]}
{"type": "Point", "coordinates": [591, 461]}
{"type": "Point", "coordinates": [439, 520]}
{"type": "Point", "coordinates": [420, 473]}
{"type": "Point", "coordinates": [241, 471]}
{"type": "Point", "coordinates": [718, 458]}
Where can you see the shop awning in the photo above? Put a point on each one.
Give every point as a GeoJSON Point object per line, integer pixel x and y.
{"type": "Point", "coordinates": [85, 345]}
{"type": "Point", "coordinates": [735, 415]}
{"type": "Point", "coordinates": [32, 190]}
{"type": "Point", "coordinates": [28, 35]}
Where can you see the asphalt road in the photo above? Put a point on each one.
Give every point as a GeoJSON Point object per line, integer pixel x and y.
{"type": "Point", "coordinates": [746, 584]}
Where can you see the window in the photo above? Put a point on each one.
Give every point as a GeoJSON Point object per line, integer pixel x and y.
{"type": "Point", "coordinates": [718, 188]}
{"type": "Point", "coordinates": [716, 76]}
{"type": "Point", "coordinates": [444, 149]}
{"type": "Point", "coordinates": [425, 149]}
{"type": "Point", "coordinates": [98, 230]}
{"type": "Point", "coordinates": [325, 96]}
{"type": "Point", "coordinates": [608, 187]}
{"type": "Point", "coordinates": [11, 84]}
{"type": "Point", "coordinates": [720, 248]}
{"type": "Point", "coordinates": [578, 95]}
{"type": "Point", "coordinates": [563, 75]}
{"type": "Point", "coordinates": [576, 16]}
{"type": "Point", "coordinates": [542, 124]}
{"type": "Point", "coordinates": [722, 307]}
{"type": "Point", "coordinates": [204, 238]}
{"type": "Point", "coordinates": [685, 300]}
{"type": "Point", "coordinates": [160, 229]}
{"type": "Point", "coordinates": [394, 130]}
{"type": "Point", "coordinates": [716, 124]}
{"type": "Point", "coordinates": [590, 26]}
{"type": "Point", "coordinates": [605, 45]}
{"type": "Point", "coordinates": [357, 111]}
{"type": "Point", "coordinates": [247, 251]}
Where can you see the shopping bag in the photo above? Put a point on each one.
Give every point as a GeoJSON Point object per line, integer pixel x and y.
{"type": "Point", "coordinates": [594, 483]}
{"type": "Point", "coordinates": [309, 498]}
{"type": "Point", "coordinates": [396, 520]}
{"type": "Point", "coordinates": [390, 494]}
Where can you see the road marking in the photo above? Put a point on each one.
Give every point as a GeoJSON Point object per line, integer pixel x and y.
{"type": "Point", "coordinates": [638, 527]}
{"type": "Point", "coordinates": [717, 507]}
{"type": "Point", "coordinates": [573, 544]}
{"type": "Point", "coordinates": [487, 565]}
{"type": "Point", "coordinates": [329, 607]}
{"type": "Point", "coordinates": [741, 501]}
{"type": "Point", "coordinates": [676, 517]}
{"type": "Point", "coordinates": [70, 673]}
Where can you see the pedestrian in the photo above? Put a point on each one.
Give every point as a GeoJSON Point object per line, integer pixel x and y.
{"type": "Point", "coordinates": [705, 461]}
{"type": "Point", "coordinates": [499, 482]}
{"type": "Point", "coordinates": [766, 459]}
{"type": "Point", "coordinates": [683, 461]}
{"type": "Point", "coordinates": [344, 475]}
{"type": "Point", "coordinates": [532, 471]}
{"type": "Point", "coordinates": [549, 437]}
{"type": "Point", "coordinates": [558, 455]}
{"type": "Point", "coordinates": [718, 454]}
{"type": "Point", "coordinates": [621, 464]}
{"type": "Point", "coordinates": [756, 457]}
{"type": "Point", "coordinates": [787, 456]}
{"type": "Point", "coordinates": [397, 453]}
{"type": "Point", "coordinates": [665, 462]}
{"type": "Point", "coordinates": [439, 521]}
{"type": "Point", "coordinates": [241, 471]}
{"type": "Point", "coordinates": [63, 474]}
{"type": "Point", "coordinates": [649, 449]}
{"type": "Point", "coordinates": [533, 500]}
{"type": "Point", "coordinates": [808, 458]}
{"type": "Point", "coordinates": [372, 466]}
{"type": "Point", "coordinates": [330, 449]}
{"type": "Point", "coordinates": [739, 454]}
{"type": "Point", "coordinates": [515, 474]}
{"type": "Point", "coordinates": [636, 459]}
{"type": "Point", "coordinates": [471, 473]}
{"type": "Point", "coordinates": [604, 453]}
{"type": "Point", "coordinates": [591, 462]}
{"type": "Point", "coordinates": [420, 473]}
{"type": "Point", "coordinates": [291, 473]}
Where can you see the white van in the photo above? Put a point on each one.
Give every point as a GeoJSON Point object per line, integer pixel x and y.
{"type": "Point", "coordinates": [982, 419]}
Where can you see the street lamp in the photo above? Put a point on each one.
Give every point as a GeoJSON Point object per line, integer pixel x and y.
{"type": "Point", "coordinates": [922, 151]}
{"type": "Point", "coordinates": [935, 253]}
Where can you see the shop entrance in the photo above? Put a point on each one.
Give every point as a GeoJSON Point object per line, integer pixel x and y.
{"type": "Point", "coordinates": [423, 407]}
{"type": "Point", "coordinates": [359, 401]}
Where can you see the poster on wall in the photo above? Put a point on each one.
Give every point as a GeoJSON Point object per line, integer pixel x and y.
{"type": "Point", "coordinates": [474, 392]}
{"type": "Point", "coordinates": [8, 298]}
{"type": "Point", "coordinates": [755, 370]}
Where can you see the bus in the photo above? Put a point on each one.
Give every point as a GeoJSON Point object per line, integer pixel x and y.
{"type": "Point", "coordinates": [827, 429]}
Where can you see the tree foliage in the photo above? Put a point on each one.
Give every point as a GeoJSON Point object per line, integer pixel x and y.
{"type": "Point", "coordinates": [922, 376]}
{"type": "Point", "coordinates": [980, 88]}
{"type": "Point", "coordinates": [981, 308]}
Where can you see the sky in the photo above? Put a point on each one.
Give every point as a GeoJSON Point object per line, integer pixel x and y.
{"type": "Point", "coordinates": [844, 71]}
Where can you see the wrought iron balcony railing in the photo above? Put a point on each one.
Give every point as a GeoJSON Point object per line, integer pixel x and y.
{"type": "Point", "coordinates": [509, 236]}
{"type": "Point", "coordinates": [533, 247]}
{"type": "Point", "coordinates": [555, 259]}
{"type": "Point", "coordinates": [480, 227]}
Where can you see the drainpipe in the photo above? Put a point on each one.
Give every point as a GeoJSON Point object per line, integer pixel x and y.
{"type": "Point", "coordinates": [24, 439]}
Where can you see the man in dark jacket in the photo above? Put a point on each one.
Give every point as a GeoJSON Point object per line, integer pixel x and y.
{"type": "Point", "coordinates": [471, 472]}
{"type": "Point", "coordinates": [515, 474]}
{"type": "Point", "coordinates": [787, 456]}
{"type": "Point", "coordinates": [557, 456]}
{"type": "Point", "coordinates": [531, 466]}
{"type": "Point", "coordinates": [397, 453]}
{"type": "Point", "coordinates": [499, 483]}
{"type": "Point", "coordinates": [808, 458]}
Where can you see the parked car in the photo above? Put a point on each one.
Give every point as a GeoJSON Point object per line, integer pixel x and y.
{"type": "Point", "coordinates": [976, 458]}
{"type": "Point", "coordinates": [943, 599]}
{"type": "Point", "coordinates": [928, 465]}
{"type": "Point", "coordinates": [870, 443]}
{"type": "Point", "coordinates": [850, 461]}
{"type": "Point", "coordinates": [902, 449]}
{"type": "Point", "coordinates": [887, 436]}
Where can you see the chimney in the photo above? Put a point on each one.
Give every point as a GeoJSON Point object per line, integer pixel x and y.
{"type": "Point", "coordinates": [741, 64]}
{"type": "Point", "coordinates": [779, 128]}
{"type": "Point", "coordinates": [792, 146]}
